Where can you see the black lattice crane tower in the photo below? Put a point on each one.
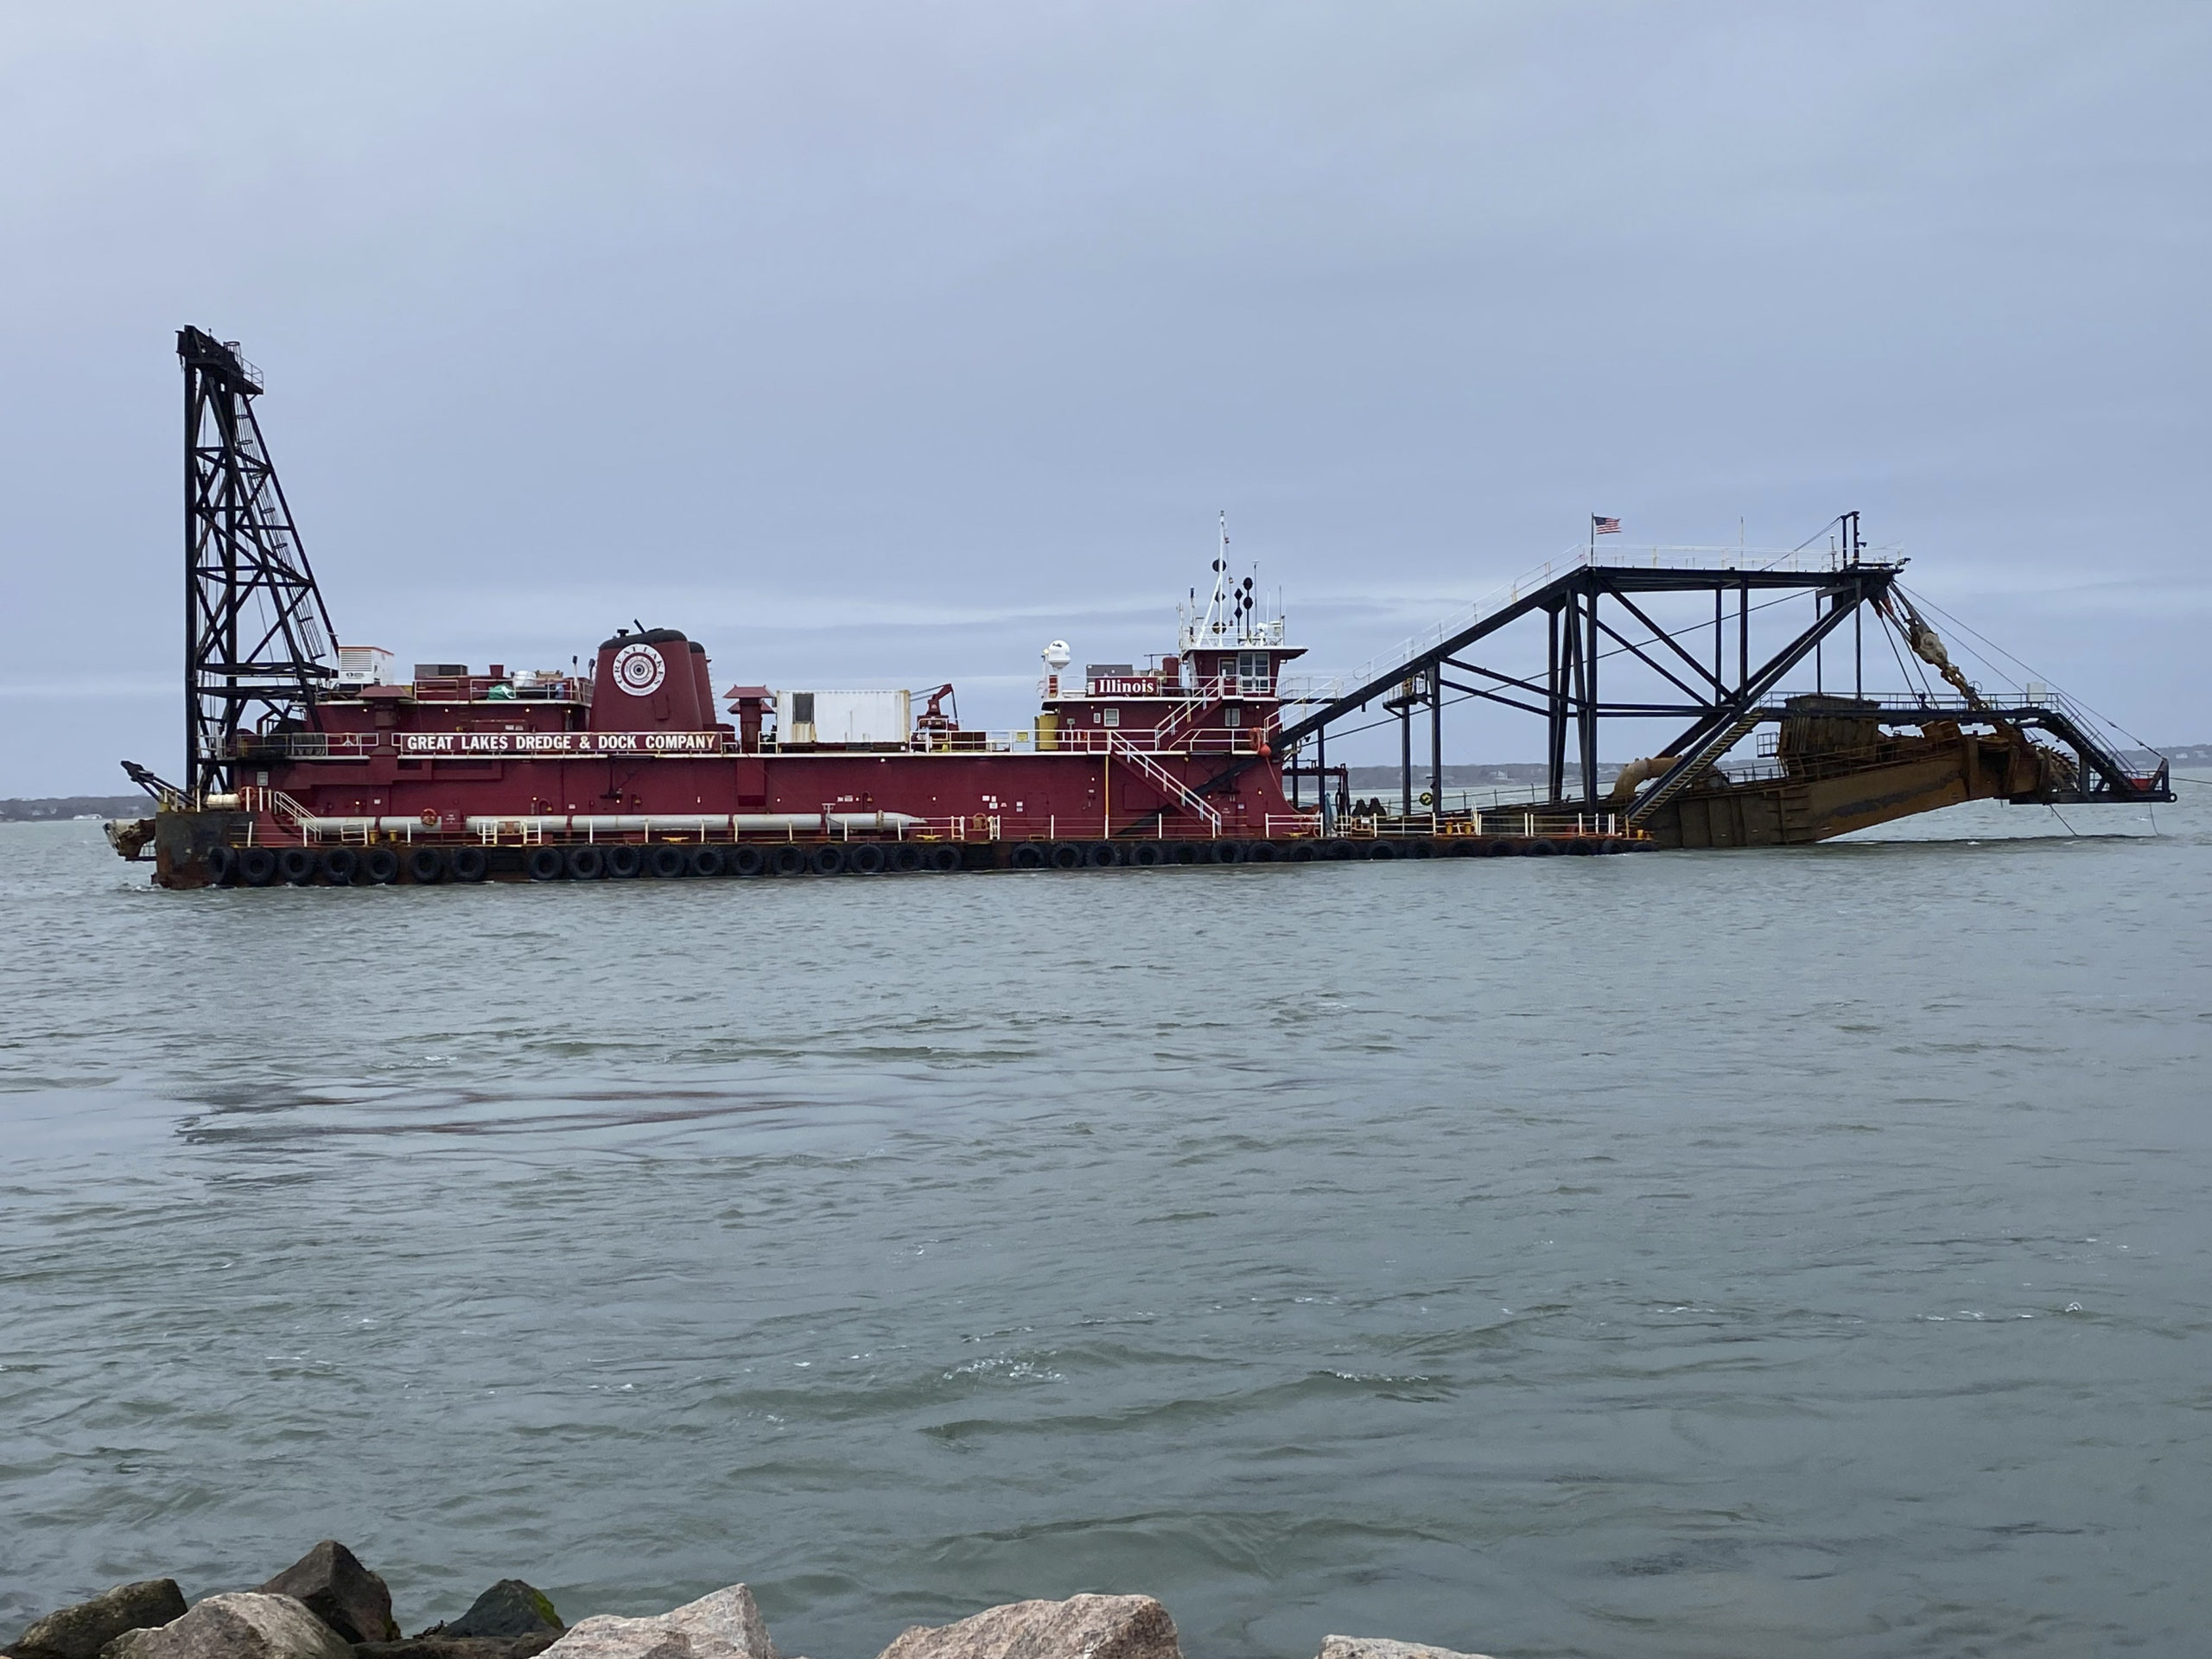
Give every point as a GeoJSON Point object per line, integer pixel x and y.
{"type": "Point", "coordinates": [257, 634]}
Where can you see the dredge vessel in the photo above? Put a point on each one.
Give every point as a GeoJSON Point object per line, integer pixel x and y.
{"type": "Point", "coordinates": [307, 760]}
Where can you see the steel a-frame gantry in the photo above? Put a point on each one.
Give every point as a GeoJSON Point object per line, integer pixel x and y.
{"type": "Point", "coordinates": [1593, 611]}
{"type": "Point", "coordinates": [256, 632]}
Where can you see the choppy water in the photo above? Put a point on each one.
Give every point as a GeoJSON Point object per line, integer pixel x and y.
{"type": "Point", "coordinates": [1704, 1255]}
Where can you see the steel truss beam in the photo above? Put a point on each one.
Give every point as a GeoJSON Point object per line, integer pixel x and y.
{"type": "Point", "coordinates": [1568, 698]}
{"type": "Point", "coordinates": [256, 631]}
{"type": "Point", "coordinates": [1717, 729]}
{"type": "Point", "coordinates": [1719, 713]}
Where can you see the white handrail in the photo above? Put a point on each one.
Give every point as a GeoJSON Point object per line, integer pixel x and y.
{"type": "Point", "coordinates": [1166, 779]}
{"type": "Point", "coordinates": [1205, 694]}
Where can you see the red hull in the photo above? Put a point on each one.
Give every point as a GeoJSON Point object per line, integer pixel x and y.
{"type": "Point", "coordinates": [994, 797]}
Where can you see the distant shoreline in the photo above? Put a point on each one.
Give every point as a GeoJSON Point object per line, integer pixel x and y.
{"type": "Point", "coordinates": [47, 809]}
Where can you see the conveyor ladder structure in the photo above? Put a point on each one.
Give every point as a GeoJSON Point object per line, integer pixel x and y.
{"type": "Point", "coordinates": [1594, 613]}
{"type": "Point", "coordinates": [1594, 610]}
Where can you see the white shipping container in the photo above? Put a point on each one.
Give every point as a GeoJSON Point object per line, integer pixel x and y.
{"type": "Point", "coordinates": [364, 665]}
{"type": "Point", "coordinates": [839, 717]}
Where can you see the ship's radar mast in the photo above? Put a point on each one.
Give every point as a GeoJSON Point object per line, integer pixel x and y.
{"type": "Point", "coordinates": [1231, 615]}
{"type": "Point", "coordinates": [256, 632]}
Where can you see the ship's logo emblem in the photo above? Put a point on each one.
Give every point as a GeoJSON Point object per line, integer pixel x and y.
{"type": "Point", "coordinates": [638, 670]}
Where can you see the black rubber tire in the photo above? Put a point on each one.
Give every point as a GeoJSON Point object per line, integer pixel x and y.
{"type": "Point", "coordinates": [1064, 855]}
{"type": "Point", "coordinates": [790, 859]}
{"type": "Point", "coordinates": [623, 860]}
{"type": "Point", "coordinates": [1340, 849]}
{"type": "Point", "coordinates": [546, 864]}
{"type": "Point", "coordinates": [1145, 854]}
{"type": "Point", "coordinates": [905, 858]}
{"type": "Point", "coordinates": [1538, 848]}
{"type": "Point", "coordinates": [340, 865]}
{"type": "Point", "coordinates": [470, 864]}
{"type": "Point", "coordinates": [828, 859]}
{"type": "Point", "coordinates": [1612, 844]}
{"type": "Point", "coordinates": [1101, 855]}
{"type": "Point", "coordinates": [381, 866]}
{"type": "Point", "coordinates": [295, 867]}
{"type": "Point", "coordinates": [665, 861]}
{"type": "Point", "coordinates": [1302, 852]}
{"type": "Point", "coordinates": [222, 864]}
{"type": "Point", "coordinates": [1379, 849]}
{"type": "Point", "coordinates": [1583, 847]}
{"type": "Point", "coordinates": [705, 862]}
{"type": "Point", "coordinates": [1420, 846]}
{"type": "Point", "coordinates": [1502, 848]}
{"type": "Point", "coordinates": [943, 859]}
{"type": "Point", "coordinates": [1262, 852]}
{"type": "Point", "coordinates": [1027, 856]}
{"type": "Point", "coordinates": [426, 867]}
{"type": "Point", "coordinates": [585, 863]}
{"type": "Point", "coordinates": [747, 862]}
{"type": "Point", "coordinates": [1189, 852]}
{"type": "Point", "coordinates": [1225, 852]}
{"type": "Point", "coordinates": [257, 867]}
{"type": "Point", "coordinates": [866, 859]}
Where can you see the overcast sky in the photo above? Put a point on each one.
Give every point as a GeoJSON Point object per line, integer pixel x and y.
{"type": "Point", "coordinates": [881, 343]}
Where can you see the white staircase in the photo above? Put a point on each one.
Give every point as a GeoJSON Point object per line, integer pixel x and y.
{"type": "Point", "coordinates": [1119, 748]}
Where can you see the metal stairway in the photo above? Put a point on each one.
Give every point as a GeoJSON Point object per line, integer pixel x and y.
{"type": "Point", "coordinates": [1686, 771]}
{"type": "Point", "coordinates": [1204, 698]}
{"type": "Point", "coordinates": [1119, 748]}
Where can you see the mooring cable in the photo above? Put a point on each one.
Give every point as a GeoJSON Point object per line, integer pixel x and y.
{"type": "Point", "coordinates": [2024, 668]}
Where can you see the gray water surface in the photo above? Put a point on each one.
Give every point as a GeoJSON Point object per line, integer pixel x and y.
{"type": "Point", "coordinates": [1702, 1254]}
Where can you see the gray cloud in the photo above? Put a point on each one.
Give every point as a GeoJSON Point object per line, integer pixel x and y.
{"type": "Point", "coordinates": [884, 341]}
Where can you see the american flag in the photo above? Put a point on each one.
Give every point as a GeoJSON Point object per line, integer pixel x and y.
{"type": "Point", "coordinates": [1604, 526]}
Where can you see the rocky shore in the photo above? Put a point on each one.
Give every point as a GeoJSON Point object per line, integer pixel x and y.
{"type": "Point", "coordinates": [327, 1606]}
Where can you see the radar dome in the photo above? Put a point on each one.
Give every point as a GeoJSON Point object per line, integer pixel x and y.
{"type": "Point", "coordinates": [1057, 656]}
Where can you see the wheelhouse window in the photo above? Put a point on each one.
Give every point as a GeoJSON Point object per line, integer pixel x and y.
{"type": "Point", "coordinates": [1254, 671]}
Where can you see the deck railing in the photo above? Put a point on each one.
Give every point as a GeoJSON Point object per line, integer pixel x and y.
{"type": "Point", "coordinates": [1020, 739]}
{"type": "Point", "coordinates": [271, 825]}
